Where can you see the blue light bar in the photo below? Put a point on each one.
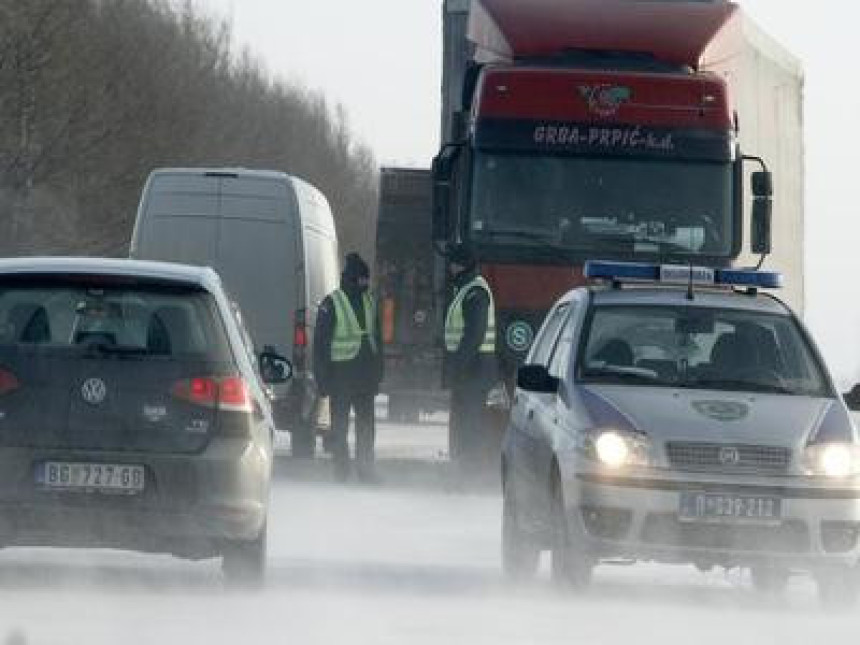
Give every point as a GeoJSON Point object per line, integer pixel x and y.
{"type": "Point", "coordinates": [681, 274]}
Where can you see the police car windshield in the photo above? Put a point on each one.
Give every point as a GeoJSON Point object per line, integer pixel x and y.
{"type": "Point", "coordinates": [702, 348]}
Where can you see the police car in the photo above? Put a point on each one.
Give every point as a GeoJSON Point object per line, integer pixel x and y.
{"type": "Point", "coordinates": [679, 414]}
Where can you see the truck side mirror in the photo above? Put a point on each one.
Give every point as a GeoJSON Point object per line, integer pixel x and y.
{"type": "Point", "coordinates": [443, 192]}
{"type": "Point", "coordinates": [852, 398]}
{"type": "Point", "coordinates": [760, 241]}
{"type": "Point", "coordinates": [762, 184]}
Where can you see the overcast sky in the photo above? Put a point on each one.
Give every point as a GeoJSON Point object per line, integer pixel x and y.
{"type": "Point", "coordinates": [381, 60]}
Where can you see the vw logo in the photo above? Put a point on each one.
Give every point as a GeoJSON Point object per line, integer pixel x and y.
{"type": "Point", "coordinates": [520, 336]}
{"type": "Point", "coordinates": [94, 391]}
{"type": "Point", "coordinates": [729, 456]}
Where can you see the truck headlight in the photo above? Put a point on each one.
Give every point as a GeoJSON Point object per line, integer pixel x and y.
{"type": "Point", "coordinates": [834, 460]}
{"type": "Point", "coordinates": [617, 449]}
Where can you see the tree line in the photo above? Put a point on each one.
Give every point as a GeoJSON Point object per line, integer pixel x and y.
{"type": "Point", "coordinates": [94, 94]}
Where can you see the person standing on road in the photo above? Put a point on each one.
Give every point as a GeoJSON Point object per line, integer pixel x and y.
{"type": "Point", "coordinates": [471, 367]}
{"type": "Point", "coordinates": [348, 366]}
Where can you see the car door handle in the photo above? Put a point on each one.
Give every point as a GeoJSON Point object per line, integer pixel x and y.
{"type": "Point", "coordinates": [530, 415]}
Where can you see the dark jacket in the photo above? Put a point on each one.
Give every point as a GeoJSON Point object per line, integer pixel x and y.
{"type": "Point", "coordinates": [467, 364]}
{"type": "Point", "coordinates": [360, 376]}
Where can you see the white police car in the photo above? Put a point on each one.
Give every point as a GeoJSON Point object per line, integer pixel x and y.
{"type": "Point", "coordinates": [687, 418]}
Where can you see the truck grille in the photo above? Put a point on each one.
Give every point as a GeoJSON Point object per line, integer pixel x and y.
{"type": "Point", "coordinates": [727, 457]}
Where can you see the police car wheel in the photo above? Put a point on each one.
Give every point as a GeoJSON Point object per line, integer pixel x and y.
{"type": "Point", "coordinates": [520, 555]}
{"type": "Point", "coordinates": [770, 579]}
{"type": "Point", "coordinates": [571, 566]}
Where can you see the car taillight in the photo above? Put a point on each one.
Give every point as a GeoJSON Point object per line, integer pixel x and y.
{"type": "Point", "coordinates": [225, 393]}
{"type": "Point", "coordinates": [8, 382]}
{"type": "Point", "coordinates": [234, 395]}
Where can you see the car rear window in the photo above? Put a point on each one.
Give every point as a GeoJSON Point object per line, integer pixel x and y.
{"type": "Point", "coordinates": [147, 321]}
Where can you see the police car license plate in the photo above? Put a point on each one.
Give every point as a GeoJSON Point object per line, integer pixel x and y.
{"type": "Point", "coordinates": [91, 477]}
{"type": "Point", "coordinates": [726, 507]}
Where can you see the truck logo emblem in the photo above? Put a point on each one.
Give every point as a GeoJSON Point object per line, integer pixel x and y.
{"type": "Point", "coordinates": [605, 100]}
{"type": "Point", "coordinates": [520, 336]}
{"type": "Point", "coordinates": [94, 391]}
{"type": "Point", "coordinates": [722, 410]}
{"type": "Point", "coordinates": [729, 456]}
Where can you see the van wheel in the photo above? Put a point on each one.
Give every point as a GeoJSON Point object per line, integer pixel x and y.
{"type": "Point", "coordinates": [770, 579]}
{"type": "Point", "coordinates": [243, 562]}
{"type": "Point", "coordinates": [572, 567]}
{"type": "Point", "coordinates": [302, 441]}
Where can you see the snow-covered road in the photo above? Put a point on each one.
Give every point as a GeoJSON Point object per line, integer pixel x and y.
{"type": "Point", "coordinates": [413, 560]}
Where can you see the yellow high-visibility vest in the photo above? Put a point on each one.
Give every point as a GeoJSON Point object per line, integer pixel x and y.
{"type": "Point", "coordinates": [455, 323]}
{"type": "Point", "coordinates": [348, 334]}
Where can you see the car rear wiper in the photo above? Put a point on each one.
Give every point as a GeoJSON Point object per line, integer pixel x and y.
{"type": "Point", "coordinates": [122, 351]}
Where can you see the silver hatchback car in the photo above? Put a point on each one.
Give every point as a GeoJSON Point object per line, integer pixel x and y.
{"type": "Point", "coordinates": [132, 413]}
{"type": "Point", "coordinates": [683, 424]}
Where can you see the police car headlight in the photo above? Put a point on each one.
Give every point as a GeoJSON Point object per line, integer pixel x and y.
{"type": "Point", "coordinates": [834, 460]}
{"type": "Point", "coordinates": [616, 449]}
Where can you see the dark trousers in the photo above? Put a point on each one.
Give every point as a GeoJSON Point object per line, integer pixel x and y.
{"type": "Point", "coordinates": [467, 431]}
{"type": "Point", "coordinates": [365, 432]}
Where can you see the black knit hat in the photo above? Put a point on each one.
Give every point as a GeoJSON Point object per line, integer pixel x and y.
{"type": "Point", "coordinates": [354, 267]}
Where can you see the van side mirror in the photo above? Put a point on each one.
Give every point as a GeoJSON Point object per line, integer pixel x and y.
{"type": "Point", "coordinates": [762, 213]}
{"type": "Point", "coordinates": [537, 379]}
{"type": "Point", "coordinates": [443, 192]}
{"type": "Point", "coordinates": [852, 398]}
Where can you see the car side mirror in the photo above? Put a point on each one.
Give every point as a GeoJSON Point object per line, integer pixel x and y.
{"type": "Point", "coordinates": [852, 398]}
{"type": "Point", "coordinates": [274, 368]}
{"type": "Point", "coordinates": [537, 379]}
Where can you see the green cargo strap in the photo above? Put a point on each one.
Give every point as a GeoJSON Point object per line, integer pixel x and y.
{"type": "Point", "coordinates": [455, 324]}
{"type": "Point", "coordinates": [348, 334]}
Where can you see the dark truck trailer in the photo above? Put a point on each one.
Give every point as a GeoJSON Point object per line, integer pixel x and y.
{"type": "Point", "coordinates": [406, 269]}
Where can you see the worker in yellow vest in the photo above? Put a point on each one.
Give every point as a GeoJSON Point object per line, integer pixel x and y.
{"type": "Point", "coordinates": [348, 366]}
{"type": "Point", "coordinates": [471, 366]}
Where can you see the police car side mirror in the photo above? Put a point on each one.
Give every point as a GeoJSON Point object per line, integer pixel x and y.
{"type": "Point", "coordinates": [537, 379]}
{"type": "Point", "coordinates": [852, 398]}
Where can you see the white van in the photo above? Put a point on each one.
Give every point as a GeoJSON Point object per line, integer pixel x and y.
{"type": "Point", "coordinates": [272, 239]}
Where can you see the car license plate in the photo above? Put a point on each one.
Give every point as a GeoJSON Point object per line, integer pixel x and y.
{"type": "Point", "coordinates": [727, 507]}
{"type": "Point", "coordinates": [91, 477]}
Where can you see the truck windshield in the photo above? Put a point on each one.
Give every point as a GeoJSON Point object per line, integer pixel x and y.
{"type": "Point", "coordinates": [701, 348]}
{"type": "Point", "coordinates": [606, 206]}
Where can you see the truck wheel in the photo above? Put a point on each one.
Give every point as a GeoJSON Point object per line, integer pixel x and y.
{"type": "Point", "coordinates": [402, 410]}
{"type": "Point", "coordinates": [520, 554]}
{"type": "Point", "coordinates": [572, 567]}
{"type": "Point", "coordinates": [302, 441]}
{"type": "Point", "coordinates": [243, 562]}
{"type": "Point", "coordinates": [770, 579]}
